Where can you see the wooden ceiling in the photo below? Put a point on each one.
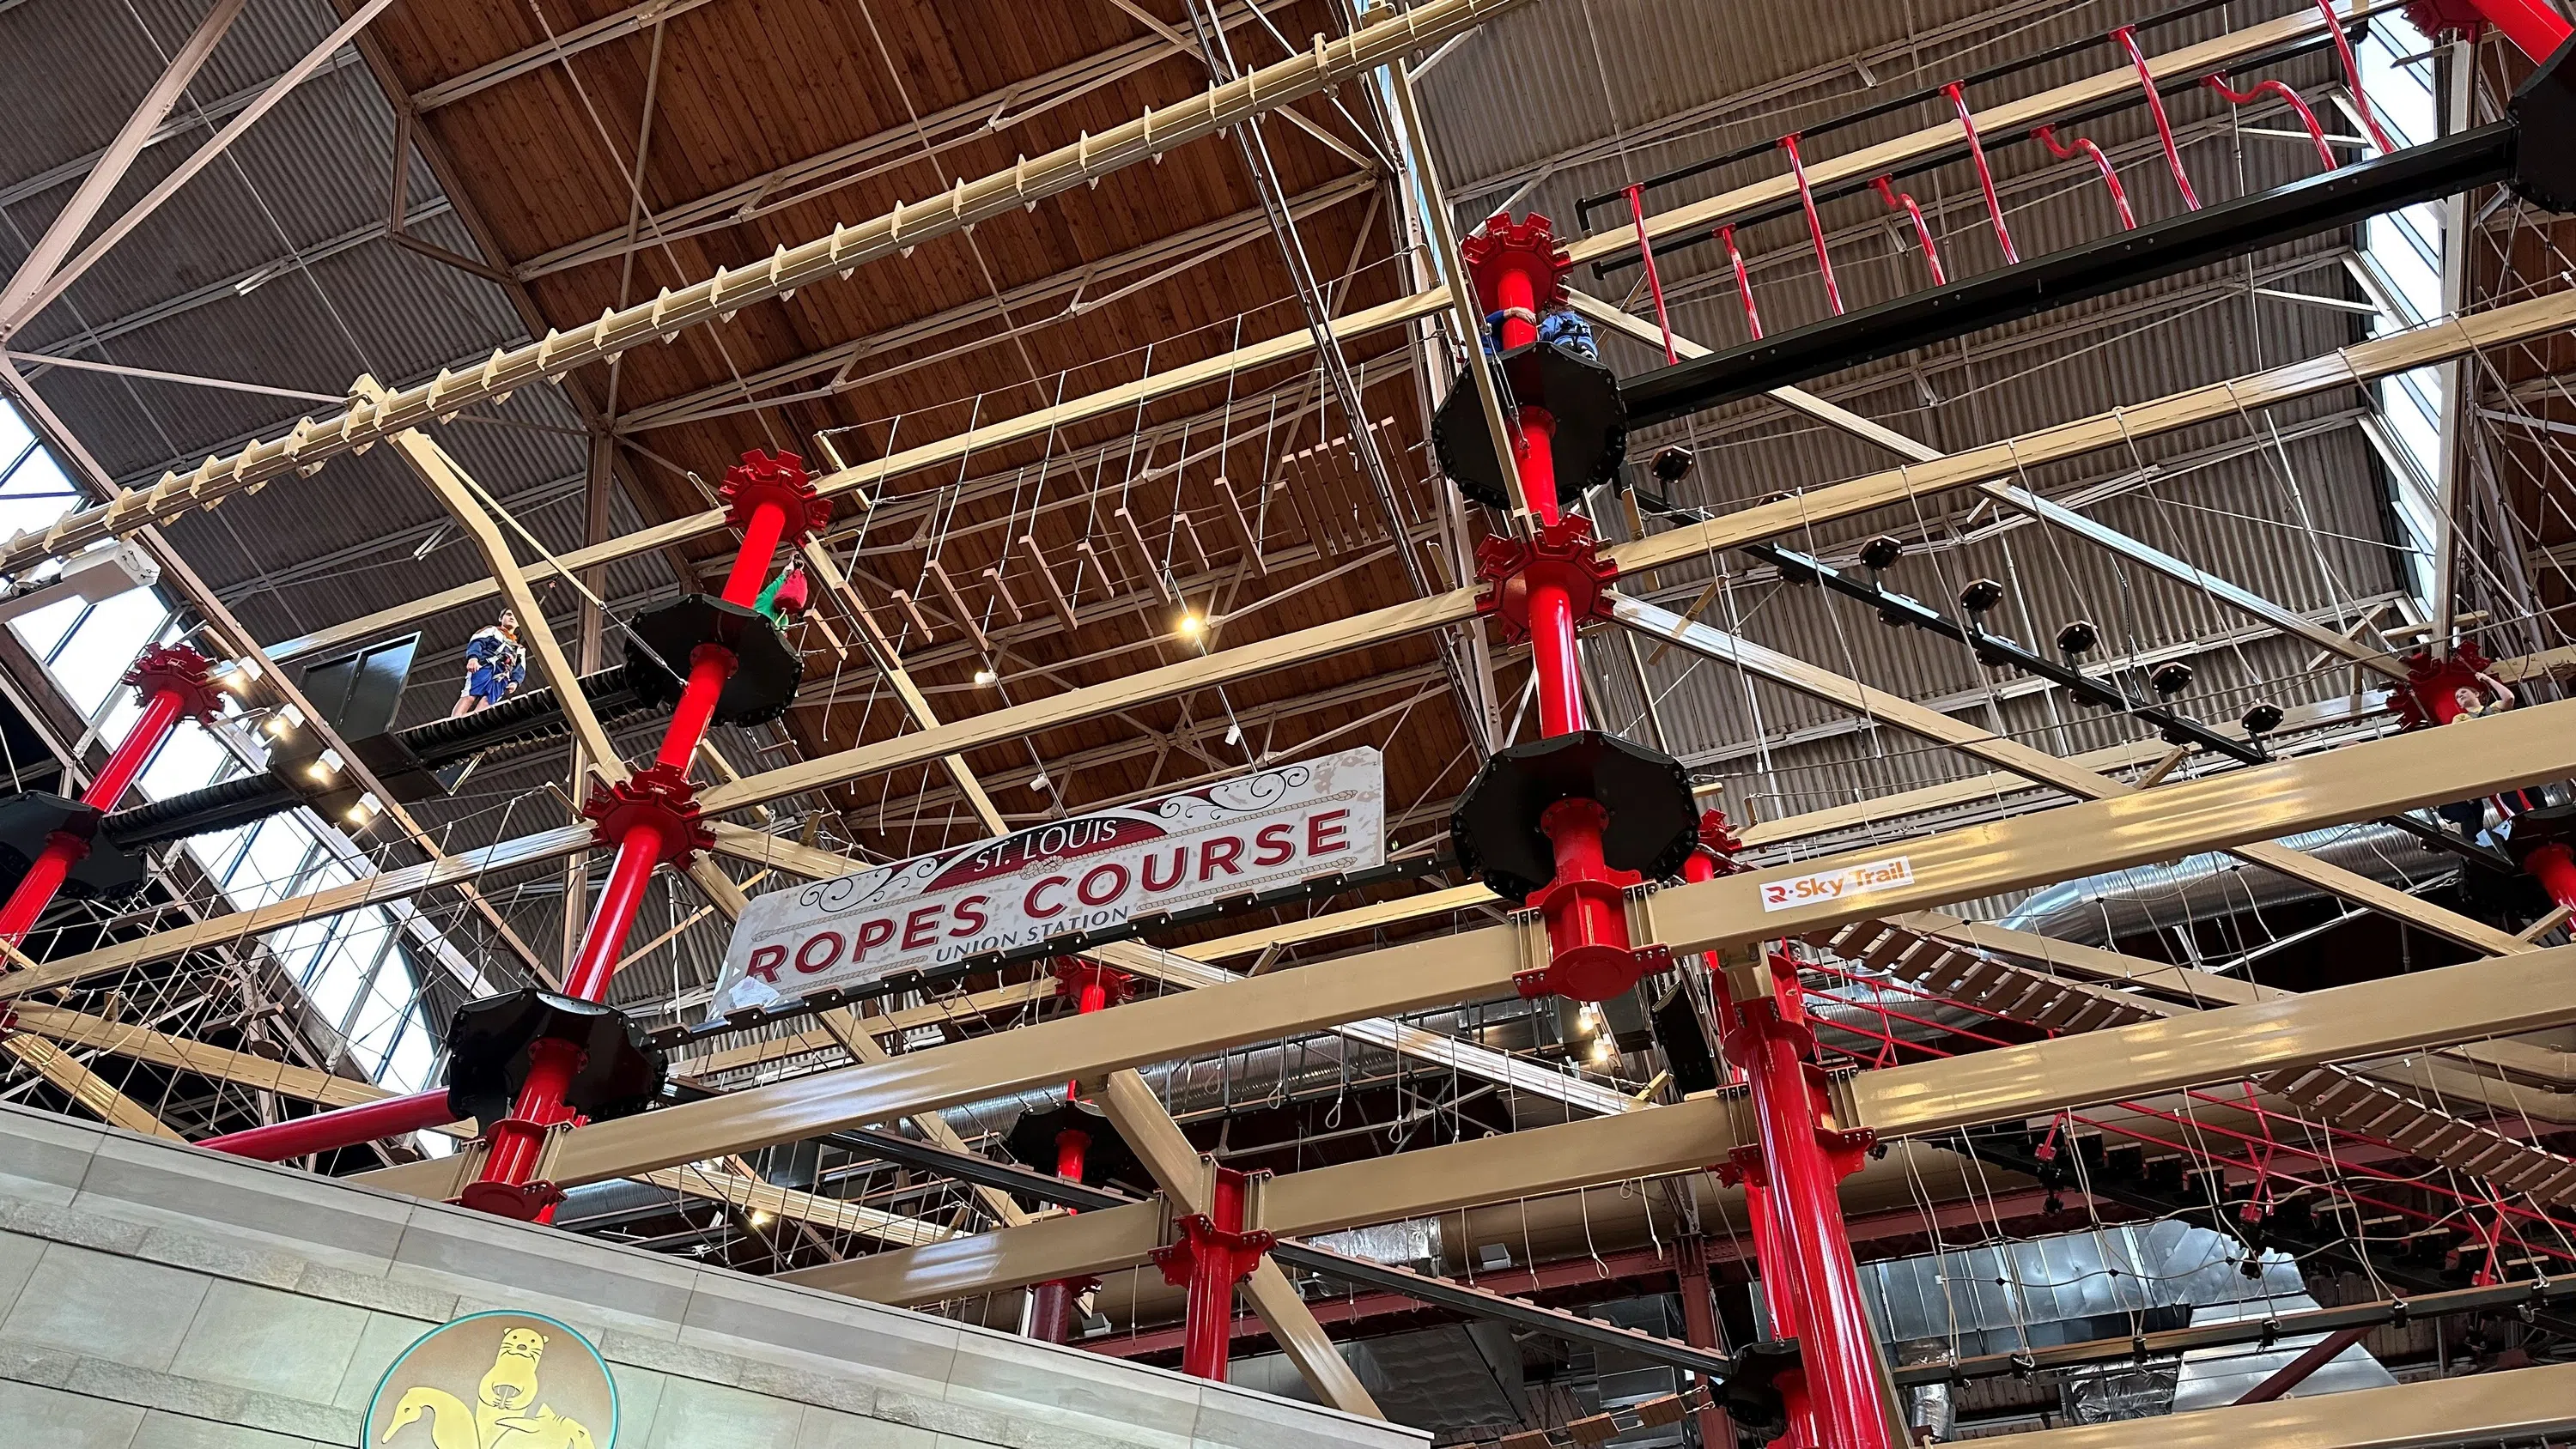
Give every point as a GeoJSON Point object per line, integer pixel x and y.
{"type": "Point", "coordinates": [738, 90]}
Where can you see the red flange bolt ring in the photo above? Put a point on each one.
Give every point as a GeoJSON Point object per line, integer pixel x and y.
{"type": "Point", "coordinates": [181, 673]}
{"type": "Point", "coordinates": [1518, 574]}
{"type": "Point", "coordinates": [1519, 272]}
{"type": "Point", "coordinates": [780, 485]}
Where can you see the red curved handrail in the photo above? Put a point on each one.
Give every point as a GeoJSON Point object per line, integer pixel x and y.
{"type": "Point", "coordinates": [2047, 136]}
{"type": "Point", "coordinates": [2307, 118]}
{"type": "Point", "coordinates": [1922, 233]}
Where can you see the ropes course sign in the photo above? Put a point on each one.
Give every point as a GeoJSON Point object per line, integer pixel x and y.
{"type": "Point", "coordinates": [1317, 817]}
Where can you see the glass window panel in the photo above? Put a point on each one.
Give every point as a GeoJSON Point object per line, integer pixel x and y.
{"type": "Point", "coordinates": [215, 852]}
{"type": "Point", "coordinates": [332, 989]}
{"type": "Point", "coordinates": [378, 1019]}
{"type": "Point", "coordinates": [268, 868]}
{"type": "Point", "coordinates": [98, 653]}
{"type": "Point", "coordinates": [43, 629]}
{"type": "Point", "coordinates": [408, 1065]}
{"type": "Point", "coordinates": [38, 493]}
{"type": "Point", "coordinates": [191, 759]}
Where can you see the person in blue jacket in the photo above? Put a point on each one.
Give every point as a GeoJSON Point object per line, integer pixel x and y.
{"type": "Point", "coordinates": [495, 664]}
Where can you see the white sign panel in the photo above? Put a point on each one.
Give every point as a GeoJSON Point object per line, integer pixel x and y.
{"type": "Point", "coordinates": [1833, 885]}
{"type": "Point", "coordinates": [1314, 818]}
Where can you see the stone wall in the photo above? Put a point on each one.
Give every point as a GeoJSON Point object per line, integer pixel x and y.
{"type": "Point", "coordinates": [154, 1296]}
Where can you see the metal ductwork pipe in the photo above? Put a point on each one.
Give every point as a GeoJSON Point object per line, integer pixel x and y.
{"type": "Point", "coordinates": [2100, 909]}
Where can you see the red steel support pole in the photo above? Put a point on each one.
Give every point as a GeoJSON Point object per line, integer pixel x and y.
{"type": "Point", "coordinates": [2554, 866]}
{"type": "Point", "coordinates": [1051, 1303]}
{"type": "Point", "coordinates": [176, 678]}
{"type": "Point", "coordinates": [1214, 1270]}
{"type": "Point", "coordinates": [517, 1141]}
{"type": "Point", "coordinates": [323, 1131]}
{"type": "Point", "coordinates": [1809, 1283]}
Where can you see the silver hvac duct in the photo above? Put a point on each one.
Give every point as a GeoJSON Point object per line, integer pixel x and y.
{"type": "Point", "coordinates": [2144, 899]}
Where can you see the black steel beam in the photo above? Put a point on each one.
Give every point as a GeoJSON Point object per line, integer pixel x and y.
{"type": "Point", "coordinates": [2158, 249]}
{"type": "Point", "coordinates": [1997, 651]}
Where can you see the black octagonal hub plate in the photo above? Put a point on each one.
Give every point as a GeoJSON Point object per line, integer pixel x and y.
{"type": "Point", "coordinates": [1105, 1160]}
{"type": "Point", "coordinates": [1652, 827]}
{"type": "Point", "coordinates": [28, 820]}
{"type": "Point", "coordinates": [766, 671]}
{"type": "Point", "coordinates": [1591, 438]}
{"type": "Point", "coordinates": [488, 1045]}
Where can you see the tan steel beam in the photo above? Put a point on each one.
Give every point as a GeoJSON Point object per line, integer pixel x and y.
{"type": "Point", "coordinates": [2452, 1003]}
{"type": "Point", "coordinates": [1179, 1171]}
{"type": "Point", "coordinates": [445, 478]}
{"type": "Point", "coordinates": [241, 1069]}
{"type": "Point", "coordinates": [1032, 180]}
{"type": "Point", "coordinates": [86, 1087]}
{"type": "Point", "coordinates": [2470, 758]}
{"type": "Point", "coordinates": [751, 1194]}
{"type": "Point", "coordinates": [2039, 765]}
{"type": "Point", "coordinates": [853, 1036]}
{"type": "Point", "coordinates": [2512, 1407]}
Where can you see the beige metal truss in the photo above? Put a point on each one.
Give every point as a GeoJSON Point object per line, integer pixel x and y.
{"type": "Point", "coordinates": [2471, 758]}
{"type": "Point", "coordinates": [2512, 1407]}
{"type": "Point", "coordinates": [84, 1086]}
{"type": "Point", "coordinates": [2450, 1004]}
{"type": "Point", "coordinates": [431, 464]}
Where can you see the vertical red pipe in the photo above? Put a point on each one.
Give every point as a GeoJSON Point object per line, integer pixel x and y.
{"type": "Point", "coordinates": [1815, 228]}
{"type": "Point", "coordinates": [1654, 280]}
{"type": "Point", "coordinates": [517, 1140]}
{"type": "Point", "coordinates": [1985, 176]}
{"type": "Point", "coordinates": [2554, 866]}
{"type": "Point", "coordinates": [162, 710]}
{"type": "Point", "coordinates": [1208, 1331]}
{"type": "Point", "coordinates": [2531, 25]}
{"type": "Point", "coordinates": [1743, 282]}
{"type": "Point", "coordinates": [1051, 1303]}
{"type": "Point", "coordinates": [2156, 109]}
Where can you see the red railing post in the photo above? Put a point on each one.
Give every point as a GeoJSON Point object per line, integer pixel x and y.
{"type": "Point", "coordinates": [1743, 281]}
{"type": "Point", "coordinates": [1904, 200]}
{"type": "Point", "coordinates": [1985, 175]}
{"type": "Point", "coordinates": [2047, 136]}
{"type": "Point", "coordinates": [1654, 279]}
{"type": "Point", "coordinates": [1815, 228]}
{"type": "Point", "coordinates": [2156, 109]}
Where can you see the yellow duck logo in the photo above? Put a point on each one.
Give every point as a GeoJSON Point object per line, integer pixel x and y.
{"type": "Point", "coordinates": [506, 1412]}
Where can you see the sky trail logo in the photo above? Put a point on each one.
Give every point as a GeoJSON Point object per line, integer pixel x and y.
{"type": "Point", "coordinates": [1832, 885]}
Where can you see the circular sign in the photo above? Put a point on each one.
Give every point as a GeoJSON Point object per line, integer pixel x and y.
{"type": "Point", "coordinates": [499, 1380]}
